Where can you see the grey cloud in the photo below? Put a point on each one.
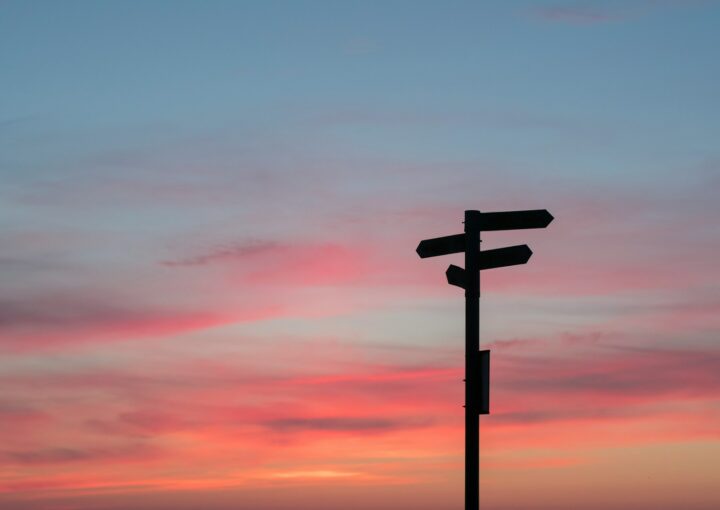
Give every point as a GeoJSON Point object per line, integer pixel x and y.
{"type": "Point", "coordinates": [342, 424]}
{"type": "Point", "coordinates": [226, 252]}
{"type": "Point", "coordinates": [69, 455]}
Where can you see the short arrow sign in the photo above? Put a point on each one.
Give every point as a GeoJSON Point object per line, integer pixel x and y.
{"type": "Point", "coordinates": [490, 259]}
{"type": "Point", "coordinates": [455, 276]}
{"type": "Point", "coordinates": [513, 220]}
{"type": "Point", "coordinates": [441, 246]}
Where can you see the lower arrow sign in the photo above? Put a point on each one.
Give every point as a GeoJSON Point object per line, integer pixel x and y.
{"type": "Point", "coordinates": [501, 257]}
{"type": "Point", "coordinates": [490, 259]}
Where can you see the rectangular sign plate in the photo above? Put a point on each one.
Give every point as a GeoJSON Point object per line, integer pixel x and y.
{"type": "Point", "coordinates": [484, 381]}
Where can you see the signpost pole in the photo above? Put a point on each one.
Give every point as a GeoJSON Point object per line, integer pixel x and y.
{"type": "Point", "coordinates": [477, 363]}
{"type": "Point", "coordinates": [472, 348]}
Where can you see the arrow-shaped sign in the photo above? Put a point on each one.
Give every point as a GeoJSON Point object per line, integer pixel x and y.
{"type": "Point", "coordinates": [513, 220]}
{"type": "Point", "coordinates": [455, 276]}
{"type": "Point", "coordinates": [441, 246]}
{"type": "Point", "coordinates": [509, 220]}
{"type": "Point", "coordinates": [490, 259]}
{"type": "Point", "coordinates": [501, 257]}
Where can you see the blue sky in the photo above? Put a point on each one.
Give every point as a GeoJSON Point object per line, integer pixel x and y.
{"type": "Point", "coordinates": [465, 75]}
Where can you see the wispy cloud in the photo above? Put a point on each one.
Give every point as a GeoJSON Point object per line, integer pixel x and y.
{"type": "Point", "coordinates": [577, 14]}
{"type": "Point", "coordinates": [342, 424]}
{"type": "Point", "coordinates": [134, 413]}
{"type": "Point", "coordinates": [274, 263]}
{"type": "Point", "coordinates": [31, 323]}
{"type": "Point", "coordinates": [134, 452]}
{"type": "Point", "coordinates": [591, 12]}
{"type": "Point", "coordinates": [227, 252]}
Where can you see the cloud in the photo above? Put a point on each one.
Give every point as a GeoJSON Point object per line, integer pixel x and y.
{"type": "Point", "coordinates": [535, 383]}
{"type": "Point", "coordinates": [590, 12]}
{"type": "Point", "coordinates": [134, 452]}
{"type": "Point", "coordinates": [342, 424]}
{"type": "Point", "coordinates": [512, 120]}
{"type": "Point", "coordinates": [576, 14]}
{"type": "Point", "coordinates": [617, 374]}
{"type": "Point", "coordinates": [17, 418]}
{"type": "Point", "coordinates": [259, 262]}
{"type": "Point", "coordinates": [595, 246]}
{"type": "Point", "coordinates": [30, 323]}
{"type": "Point", "coordinates": [235, 415]}
{"type": "Point", "coordinates": [228, 252]}
{"type": "Point", "coordinates": [603, 387]}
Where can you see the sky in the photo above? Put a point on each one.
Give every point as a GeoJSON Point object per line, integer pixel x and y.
{"type": "Point", "coordinates": [210, 296]}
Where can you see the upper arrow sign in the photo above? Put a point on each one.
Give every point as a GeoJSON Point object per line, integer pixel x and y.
{"type": "Point", "coordinates": [441, 246]}
{"type": "Point", "coordinates": [513, 220]}
{"type": "Point", "coordinates": [508, 220]}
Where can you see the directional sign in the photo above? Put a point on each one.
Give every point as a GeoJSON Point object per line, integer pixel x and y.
{"type": "Point", "coordinates": [501, 257]}
{"type": "Point", "coordinates": [513, 220]}
{"type": "Point", "coordinates": [508, 220]}
{"type": "Point", "coordinates": [455, 276]}
{"type": "Point", "coordinates": [490, 259]}
{"type": "Point", "coordinates": [441, 246]}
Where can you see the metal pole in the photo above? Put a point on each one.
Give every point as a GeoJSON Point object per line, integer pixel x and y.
{"type": "Point", "coordinates": [472, 348]}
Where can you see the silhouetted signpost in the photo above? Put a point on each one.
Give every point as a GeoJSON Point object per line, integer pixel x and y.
{"type": "Point", "coordinates": [477, 362]}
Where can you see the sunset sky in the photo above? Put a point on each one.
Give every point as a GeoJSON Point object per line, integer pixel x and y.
{"type": "Point", "coordinates": [209, 292]}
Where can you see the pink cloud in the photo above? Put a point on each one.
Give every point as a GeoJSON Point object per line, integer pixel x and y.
{"type": "Point", "coordinates": [233, 416]}
{"type": "Point", "coordinates": [55, 321]}
{"type": "Point", "coordinates": [229, 252]}
{"type": "Point", "coordinates": [68, 313]}
{"type": "Point", "coordinates": [259, 262]}
{"type": "Point", "coordinates": [328, 264]}
{"type": "Point", "coordinates": [594, 247]}
{"type": "Point", "coordinates": [65, 455]}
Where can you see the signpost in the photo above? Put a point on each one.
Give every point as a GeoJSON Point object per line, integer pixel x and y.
{"type": "Point", "coordinates": [477, 362]}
